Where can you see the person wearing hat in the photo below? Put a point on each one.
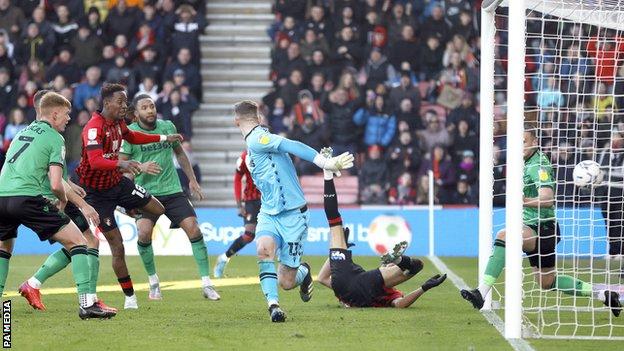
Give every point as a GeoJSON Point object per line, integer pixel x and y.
{"type": "Point", "coordinates": [306, 106]}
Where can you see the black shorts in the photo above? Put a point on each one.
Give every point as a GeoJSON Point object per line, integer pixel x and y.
{"type": "Point", "coordinates": [35, 212]}
{"type": "Point", "coordinates": [177, 208]}
{"type": "Point", "coordinates": [351, 283]}
{"type": "Point", "coordinates": [252, 207]}
{"type": "Point", "coordinates": [125, 194]}
{"type": "Point", "coordinates": [544, 255]}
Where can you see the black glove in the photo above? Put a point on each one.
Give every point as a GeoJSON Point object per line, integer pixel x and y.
{"type": "Point", "coordinates": [433, 282]}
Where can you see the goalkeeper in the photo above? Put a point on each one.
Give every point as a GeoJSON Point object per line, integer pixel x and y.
{"type": "Point", "coordinates": [354, 286]}
{"type": "Point", "coordinates": [540, 236]}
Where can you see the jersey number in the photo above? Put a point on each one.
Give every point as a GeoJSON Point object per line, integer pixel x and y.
{"type": "Point", "coordinates": [295, 249]}
{"type": "Point", "coordinates": [27, 140]}
{"type": "Point", "coordinates": [139, 191]}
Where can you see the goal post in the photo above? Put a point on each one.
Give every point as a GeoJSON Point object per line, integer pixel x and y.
{"type": "Point", "coordinates": [559, 64]}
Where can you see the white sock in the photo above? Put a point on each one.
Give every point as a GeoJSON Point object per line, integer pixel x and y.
{"type": "Point", "coordinates": [484, 289]}
{"type": "Point", "coordinates": [206, 281]}
{"type": "Point", "coordinates": [153, 279]}
{"type": "Point", "coordinates": [598, 295]}
{"type": "Point", "coordinates": [328, 175]}
{"type": "Point", "coordinates": [34, 283]}
{"type": "Point", "coordinates": [223, 257]}
{"type": "Point", "coordinates": [86, 300]}
{"type": "Point", "coordinates": [273, 302]}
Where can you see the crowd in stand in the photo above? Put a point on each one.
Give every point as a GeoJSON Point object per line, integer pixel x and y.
{"type": "Point", "coordinates": [72, 46]}
{"type": "Point", "coordinates": [393, 81]}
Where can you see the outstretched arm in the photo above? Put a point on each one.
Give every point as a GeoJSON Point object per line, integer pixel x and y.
{"type": "Point", "coordinates": [409, 299]}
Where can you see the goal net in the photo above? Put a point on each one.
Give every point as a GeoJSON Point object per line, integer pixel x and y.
{"type": "Point", "coordinates": [573, 95]}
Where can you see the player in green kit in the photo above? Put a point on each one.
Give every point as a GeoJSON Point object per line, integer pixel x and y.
{"type": "Point", "coordinates": [165, 186]}
{"type": "Point", "coordinates": [37, 156]}
{"type": "Point", "coordinates": [540, 235]}
{"type": "Point", "coordinates": [81, 214]}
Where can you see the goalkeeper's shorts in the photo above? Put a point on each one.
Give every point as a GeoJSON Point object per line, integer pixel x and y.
{"type": "Point", "coordinates": [544, 256]}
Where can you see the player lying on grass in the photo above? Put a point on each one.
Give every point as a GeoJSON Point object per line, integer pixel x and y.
{"type": "Point", "coordinates": [248, 203]}
{"type": "Point", "coordinates": [354, 286]}
{"type": "Point", "coordinates": [81, 214]}
{"type": "Point", "coordinates": [165, 186]}
{"type": "Point", "coordinates": [37, 153]}
{"type": "Point", "coordinates": [540, 236]}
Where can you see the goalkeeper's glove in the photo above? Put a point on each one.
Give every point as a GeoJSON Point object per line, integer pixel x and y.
{"type": "Point", "coordinates": [433, 282]}
{"type": "Point", "coordinates": [335, 164]}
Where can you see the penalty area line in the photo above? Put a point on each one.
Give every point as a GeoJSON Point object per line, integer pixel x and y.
{"type": "Point", "coordinates": [490, 316]}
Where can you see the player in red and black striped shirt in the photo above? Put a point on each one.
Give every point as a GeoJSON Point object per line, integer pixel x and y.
{"type": "Point", "coordinates": [356, 287]}
{"type": "Point", "coordinates": [248, 210]}
{"type": "Point", "coordinates": [100, 173]}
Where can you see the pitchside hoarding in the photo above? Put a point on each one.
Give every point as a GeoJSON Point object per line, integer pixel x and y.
{"type": "Point", "coordinates": [456, 232]}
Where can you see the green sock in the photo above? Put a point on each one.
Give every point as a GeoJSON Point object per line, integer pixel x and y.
{"type": "Point", "coordinates": [495, 264]}
{"type": "Point", "coordinates": [147, 256]}
{"type": "Point", "coordinates": [55, 263]}
{"type": "Point", "coordinates": [4, 268]}
{"type": "Point", "coordinates": [201, 256]}
{"type": "Point", "coordinates": [80, 268]}
{"type": "Point", "coordinates": [572, 286]}
{"type": "Point", "coordinates": [93, 256]}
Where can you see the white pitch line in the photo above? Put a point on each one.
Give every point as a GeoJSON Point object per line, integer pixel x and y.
{"type": "Point", "coordinates": [490, 316]}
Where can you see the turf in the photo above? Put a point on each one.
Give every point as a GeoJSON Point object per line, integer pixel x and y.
{"type": "Point", "coordinates": [440, 320]}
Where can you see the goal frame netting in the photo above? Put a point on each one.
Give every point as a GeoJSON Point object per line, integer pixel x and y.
{"type": "Point", "coordinates": [583, 12]}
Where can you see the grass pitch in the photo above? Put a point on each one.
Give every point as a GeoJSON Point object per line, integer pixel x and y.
{"type": "Point", "coordinates": [440, 320]}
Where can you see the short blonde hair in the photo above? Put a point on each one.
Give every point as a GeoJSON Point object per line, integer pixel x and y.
{"type": "Point", "coordinates": [246, 109]}
{"type": "Point", "coordinates": [53, 100]}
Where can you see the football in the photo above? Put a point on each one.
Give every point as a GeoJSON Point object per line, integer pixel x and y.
{"type": "Point", "coordinates": [587, 173]}
{"type": "Point", "coordinates": [386, 231]}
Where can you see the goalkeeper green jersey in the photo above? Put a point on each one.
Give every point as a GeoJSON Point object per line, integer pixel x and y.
{"type": "Point", "coordinates": [538, 173]}
{"type": "Point", "coordinates": [32, 151]}
{"type": "Point", "coordinates": [167, 182]}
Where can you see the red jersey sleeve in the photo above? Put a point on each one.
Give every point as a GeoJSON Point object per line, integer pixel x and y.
{"type": "Point", "coordinates": [238, 178]}
{"type": "Point", "coordinates": [92, 140]}
{"type": "Point", "coordinates": [137, 137]}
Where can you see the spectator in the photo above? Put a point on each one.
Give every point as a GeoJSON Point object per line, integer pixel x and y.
{"type": "Point", "coordinates": [347, 52]}
{"type": "Point", "coordinates": [378, 70]}
{"type": "Point", "coordinates": [373, 178]}
{"type": "Point", "coordinates": [288, 29]}
{"type": "Point", "coordinates": [442, 168]}
{"type": "Point", "coordinates": [573, 63]}
{"type": "Point", "coordinates": [89, 89]}
{"type": "Point", "coordinates": [398, 21]}
{"type": "Point", "coordinates": [293, 62]}
{"type": "Point", "coordinates": [11, 19]}
{"type": "Point", "coordinates": [290, 91]}
{"type": "Point", "coordinates": [466, 111]}
{"type": "Point", "coordinates": [149, 87]}
{"type": "Point", "coordinates": [145, 37]}
{"type": "Point", "coordinates": [431, 59]}
{"type": "Point", "coordinates": [153, 19]}
{"type": "Point", "coordinates": [45, 27]}
{"type": "Point", "coordinates": [180, 112]}
{"type": "Point", "coordinates": [499, 178]}
{"type": "Point", "coordinates": [318, 87]}
{"type": "Point", "coordinates": [436, 25]}
{"type": "Point", "coordinates": [8, 92]}
{"type": "Point", "coordinates": [17, 122]}
{"type": "Point", "coordinates": [73, 140]}
{"type": "Point", "coordinates": [33, 72]}
{"type": "Point", "coordinates": [129, 3]}
{"type": "Point", "coordinates": [404, 192]}
{"type": "Point", "coordinates": [550, 96]}
{"type": "Point", "coordinates": [408, 114]}
{"type": "Point", "coordinates": [467, 167]}
{"type": "Point", "coordinates": [464, 140]}
{"type": "Point", "coordinates": [6, 62]}
{"type": "Point", "coordinates": [93, 20]}
{"type": "Point", "coordinates": [122, 74]}
{"type": "Point", "coordinates": [278, 118]}
{"type": "Point", "coordinates": [379, 124]}
{"type": "Point", "coordinates": [312, 43]}
{"type": "Point", "coordinates": [422, 191]}
{"type": "Point", "coordinates": [339, 117]}
{"type": "Point", "coordinates": [191, 72]}
{"type": "Point", "coordinates": [434, 134]}
{"type": "Point", "coordinates": [87, 48]}
{"type": "Point", "coordinates": [64, 66]}
{"type": "Point", "coordinates": [321, 26]}
{"type": "Point", "coordinates": [75, 8]}
{"type": "Point", "coordinates": [458, 45]}
{"type": "Point", "coordinates": [603, 103]}
{"type": "Point", "coordinates": [108, 59]}
{"type": "Point", "coordinates": [319, 65]}
{"type": "Point", "coordinates": [349, 84]}
{"type": "Point", "coordinates": [405, 90]}
{"type": "Point", "coordinates": [406, 49]}
{"type": "Point", "coordinates": [65, 27]}
{"type": "Point", "coordinates": [168, 14]}
{"type": "Point", "coordinates": [311, 133]}
{"type": "Point", "coordinates": [403, 156]}
{"type": "Point", "coordinates": [58, 83]}
{"type": "Point", "coordinates": [307, 106]}
{"type": "Point", "coordinates": [121, 19]}
{"type": "Point", "coordinates": [465, 27]}
{"type": "Point", "coordinates": [458, 76]}
{"type": "Point", "coordinates": [33, 46]}
{"type": "Point", "coordinates": [607, 55]}
{"type": "Point", "coordinates": [149, 65]}
{"type": "Point", "coordinates": [23, 102]}
{"type": "Point", "coordinates": [375, 34]}
{"type": "Point", "coordinates": [463, 194]}
{"type": "Point", "coordinates": [454, 9]}
{"type": "Point", "coordinates": [120, 45]}
{"type": "Point", "coordinates": [294, 8]}
{"type": "Point", "coordinates": [186, 31]}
